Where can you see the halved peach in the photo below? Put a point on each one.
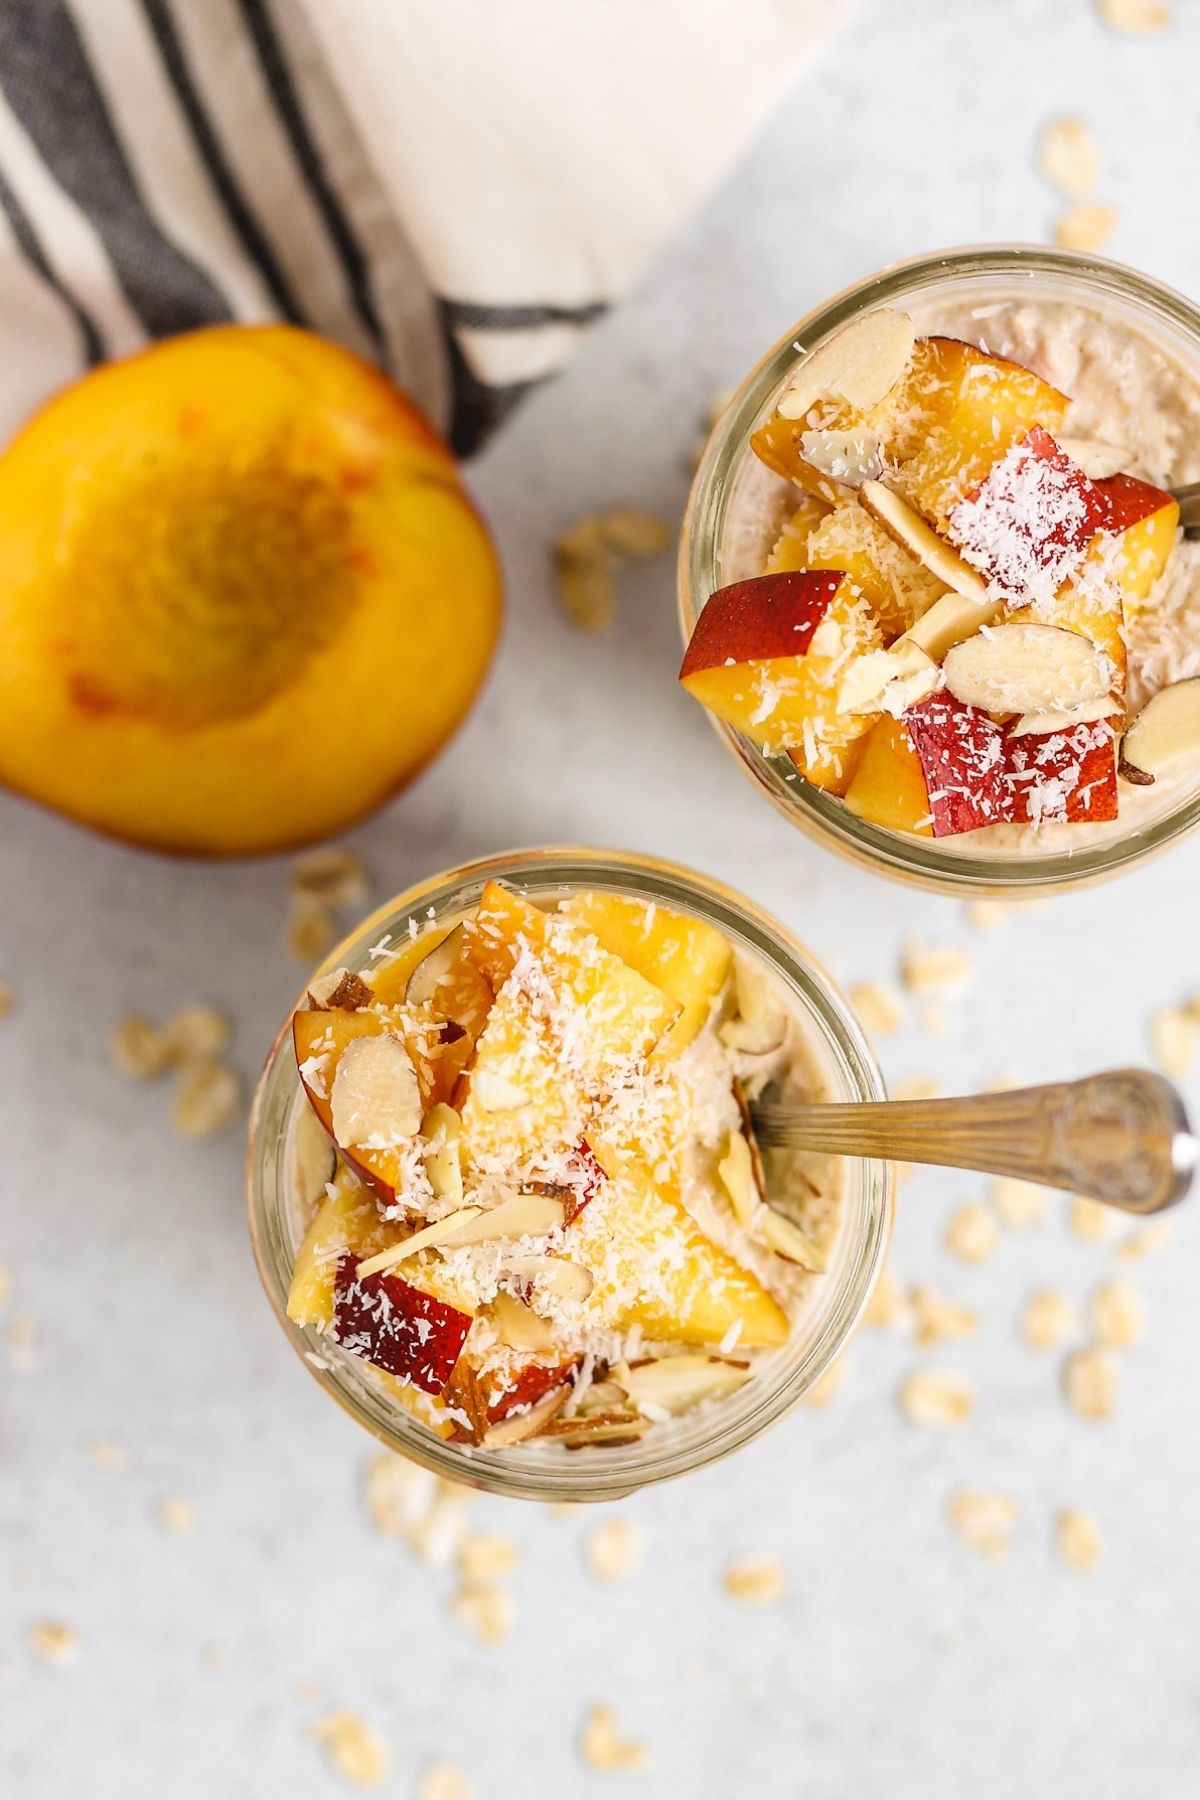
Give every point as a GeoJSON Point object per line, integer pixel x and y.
{"type": "Point", "coordinates": [243, 594]}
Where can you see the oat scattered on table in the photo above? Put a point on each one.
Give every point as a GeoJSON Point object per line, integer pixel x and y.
{"type": "Point", "coordinates": [486, 1556]}
{"type": "Point", "coordinates": [936, 1399]}
{"type": "Point", "coordinates": [1069, 157]}
{"type": "Point", "coordinates": [756, 1580]}
{"type": "Point", "coordinates": [177, 1516]}
{"type": "Point", "coordinates": [613, 1550]}
{"type": "Point", "coordinates": [1090, 1380]}
{"type": "Point", "coordinates": [826, 1388]}
{"type": "Point", "coordinates": [5, 1284]}
{"type": "Point", "coordinates": [935, 969]}
{"type": "Point", "coordinates": [1137, 18]}
{"type": "Point", "coordinates": [311, 929]}
{"type": "Point", "coordinates": [196, 1033]}
{"type": "Point", "coordinates": [330, 878]}
{"type": "Point", "coordinates": [972, 1233]}
{"type": "Point", "coordinates": [1145, 1242]}
{"type": "Point", "coordinates": [1047, 1318]}
{"type": "Point", "coordinates": [1091, 1220]}
{"type": "Point", "coordinates": [22, 1343]}
{"type": "Point", "coordinates": [7, 999]}
{"type": "Point", "coordinates": [1173, 1040]}
{"type": "Point", "coordinates": [112, 1458]}
{"type": "Point", "coordinates": [916, 1087]}
{"type": "Point", "coordinates": [1018, 1204]}
{"type": "Point", "coordinates": [207, 1099]}
{"type": "Point", "coordinates": [878, 1007]}
{"type": "Point", "coordinates": [139, 1048]}
{"type": "Point", "coordinates": [601, 1745]}
{"type": "Point", "coordinates": [984, 1521]}
{"type": "Point", "coordinates": [589, 554]}
{"type": "Point", "coordinates": [887, 1305]}
{"type": "Point", "coordinates": [936, 1319]}
{"type": "Point", "coordinates": [489, 1613]}
{"type": "Point", "coordinates": [355, 1749]}
{"type": "Point", "coordinates": [1077, 1538]}
{"type": "Point", "coordinates": [1118, 1314]}
{"type": "Point", "coordinates": [421, 1510]}
{"type": "Point", "coordinates": [445, 1781]}
{"type": "Point", "coordinates": [1085, 226]}
{"type": "Point", "coordinates": [54, 1642]}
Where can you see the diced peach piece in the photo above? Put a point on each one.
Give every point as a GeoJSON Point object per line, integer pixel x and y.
{"type": "Point", "coordinates": [962, 755]}
{"type": "Point", "coordinates": [1145, 520]}
{"type": "Point", "coordinates": [888, 787]}
{"type": "Point", "coordinates": [897, 587]}
{"type": "Point", "coordinates": [791, 547]}
{"type": "Point", "coordinates": [525, 1386]}
{"type": "Point", "coordinates": [682, 956]}
{"type": "Point", "coordinates": [767, 654]}
{"type": "Point", "coordinates": [386, 1320]}
{"type": "Point", "coordinates": [394, 966]}
{"type": "Point", "coordinates": [974, 407]}
{"type": "Point", "coordinates": [653, 1267]}
{"type": "Point", "coordinates": [1027, 526]}
{"type": "Point", "coordinates": [1064, 777]}
{"type": "Point", "coordinates": [517, 1090]}
{"type": "Point", "coordinates": [347, 1220]}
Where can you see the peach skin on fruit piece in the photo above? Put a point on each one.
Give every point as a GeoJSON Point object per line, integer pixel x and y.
{"type": "Point", "coordinates": [1026, 527]}
{"type": "Point", "coordinates": [682, 956]}
{"type": "Point", "coordinates": [1144, 521]}
{"type": "Point", "coordinates": [766, 655]}
{"type": "Point", "coordinates": [400, 1328]}
{"type": "Point", "coordinates": [243, 594]}
{"type": "Point", "coordinates": [888, 787]}
{"type": "Point", "coordinates": [1064, 777]}
{"type": "Point", "coordinates": [962, 755]}
{"type": "Point", "coordinates": [974, 407]}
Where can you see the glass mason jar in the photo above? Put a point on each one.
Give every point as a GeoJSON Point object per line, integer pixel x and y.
{"type": "Point", "coordinates": [544, 1471]}
{"type": "Point", "coordinates": [730, 525]}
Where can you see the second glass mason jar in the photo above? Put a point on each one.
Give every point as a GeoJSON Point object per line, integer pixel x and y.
{"type": "Point", "coordinates": [542, 1470]}
{"type": "Point", "coordinates": [731, 521]}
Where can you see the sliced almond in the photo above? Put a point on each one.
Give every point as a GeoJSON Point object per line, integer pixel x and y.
{"type": "Point", "coordinates": [554, 1275]}
{"type": "Point", "coordinates": [425, 979]}
{"type": "Point", "coordinates": [787, 1240]}
{"type": "Point", "coordinates": [437, 1233]}
{"type": "Point", "coordinates": [520, 1215]}
{"type": "Point", "coordinates": [736, 1170]}
{"type": "Point", "coordinates": [1025, 668]}
{"type": "Point", "coordinates": [888, 680]}
{"type": "Point", "coordinates": [1165, 734]}
{"type": "Point", "coordinates": [519, 1426]}
{"type": "Point", "coordinates": [596, 1428]}
{"type": "Point", "coordinates": [495, 1093]}
{"type": "Point", "coordinates": [677, 1383]}
{"type": "Point", "coordinates": [1085, 714]}
{"type": "Point", "coordinates": [442, 1130]}
{"type": "Point", "coordinates": [375, 1090]}
{"type": "Point", "coordinates": [518, 1326]}
{"type": "Point", "coordinates": [920, 540]}
{"type": "Point", "coordinates": [1097, 460]}
{"type": "Point", "coordinates": [952, 618]}
{"type": "Point", "coordinates": [849, 457]}
{"type": "Point", "coordinates": [860, 364]}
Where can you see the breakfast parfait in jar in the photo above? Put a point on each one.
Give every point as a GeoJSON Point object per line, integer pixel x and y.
{"type": "Point", "coordinates": [520, 1178]}
{"type": "Point", "coordinates": [955, 603]}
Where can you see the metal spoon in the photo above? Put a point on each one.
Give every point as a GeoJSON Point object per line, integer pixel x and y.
{"type": "Point", "coordinates": [1121, 1137]}
{"type": "Point", "coordinates": [1188, 497]}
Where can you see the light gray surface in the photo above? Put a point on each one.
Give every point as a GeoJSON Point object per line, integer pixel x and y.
{"type": "Point", "coordinates": [903, 1665]}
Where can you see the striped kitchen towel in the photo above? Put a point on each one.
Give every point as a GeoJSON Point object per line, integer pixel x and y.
{"type": "Point", "coordinates": [456, 188]}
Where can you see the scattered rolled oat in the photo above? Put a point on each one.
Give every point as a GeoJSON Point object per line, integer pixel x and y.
{"type": "Point", "coordinates": [1069, 157]}
{"type": "Point", "coordinates": [600, 1745]}
{"type": "Point", "coordinates": [445, 1781]}
{"type": "Point", "coordinates": [7, 999]}
{"type": "Point", "coordinates": [486, 1556]}
{"type": "Point", "coordinates": [206, 1100]}
{"type": "Point", "coordinates": [1173, 1040]}
{"type": "Point", "coordinates": [1145, 1242]}
{"type": "Point", "coordinates": [330, 877]}
{"type": "Point", "coordinates": [1077, 1538]}
{"type": "Point", "coordinates": [757, 1580]}
{"type": "Point", "coordinates": [22, 1343]}
{"type": "Point", "coordinates": [972, 1233]}
{"type": "Point", "coordinates": [488, 1612]}
{"type": "Point", "coordinates": [422, 1510]}
{"type": "Point", "coordinates": [1137, 18]}
{"type": "Point", "coordinates": [935, 968]}
{"type": "Point", "coordinates": [612, 1551]}
{"type": "Point", "coordinates": [177, 1516]}
{"type": "Point", "coordinates": [1090, 1377]}
{"type": "Point", "coordinates": [588, 555]}
{"type": "Point", "coordinates": [936, 1319]}
{"type": "Point", "coordinates": [936, 1398]}
{"type": "Point", "coordinates": [1085, 226]}
{"type": "Point", "coordinates": [195, 1033]}
{"type": "Point", "coordinates": [887, 1305]}
{"type": "Point", "coordinates": [139, 1048]}
{"type": "Point", "coordinates": [311, 930]}
{"type": "Point", "coordinates": [109, 1457]}
{"type": "Point", "coordinates": [54, 1642]}
{"type": "Point", "coordinates": [917, 1087]}
{"type": "Point", "coordinates": [934, 1021]}
{"type": "Point", "coordinates": [986, 915]}
{"type": "Point", "coordinates": [1046, 1319]}
{"type": "Point", "coordinates": [826, 1387]}
{"type": "Point", "coordinates": [1118, 1314]}
{"type": "Point", "coordinates": [878, 1008]}
{"type": "Point", "coordinates": [984, 1521]}
{"type": "Point", "coordinates": [1003, 1083]}
{"type": "Point", "coordinates": [355, 1749]}
{"type": "Point", "coordinates": [1091, 1220]}
{"type": "Point", "coordinates": [1019, 1204]}
{"type": "Point", "coordinates": [5, 1284]}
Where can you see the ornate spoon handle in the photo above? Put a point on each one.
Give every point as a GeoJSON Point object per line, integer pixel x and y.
{"type": "Point", "coordinates": [1122, 1137]}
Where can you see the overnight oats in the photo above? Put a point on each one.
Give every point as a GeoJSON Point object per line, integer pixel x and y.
{"type": "Point", "coordinates": [518, 1188]}
{"type": "Point", "coordinates": [950, 614]}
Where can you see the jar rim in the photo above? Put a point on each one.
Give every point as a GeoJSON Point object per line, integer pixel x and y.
{"type": "Point", "coordinates": [924, 862]}
{"type": "Point", "coordinates": [666, 1452]}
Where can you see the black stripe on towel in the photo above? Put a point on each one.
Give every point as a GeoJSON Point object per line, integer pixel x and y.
{"type": "Point", "coordinates": [278, 78]}
{"type": "Point", "coordinates": [170, 48]}
{"type": "Point", "coordinates": [52, 89]}
{"type": "Point", "coordinates": [29, 242]}
{"type": "Point", "coordinates": [476, 406]}
{"type": "Point", "coordinates": [480, 315]}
